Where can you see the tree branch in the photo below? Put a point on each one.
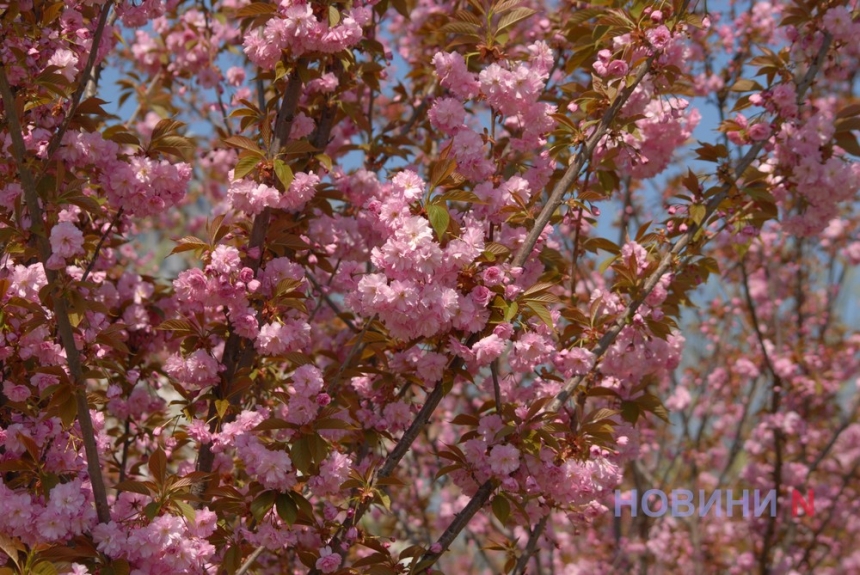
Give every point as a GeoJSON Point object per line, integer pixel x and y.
{"type": "Point", "coordinates": [61, 312]}
{"type": "Point", "coordinates": [99, 245]}
{"type": "Point", "coordinates": [531, 546]}
{"type": "Point", "coordinates": [570, 176]}
{"type": "Point", "coordinates": [57, 140]}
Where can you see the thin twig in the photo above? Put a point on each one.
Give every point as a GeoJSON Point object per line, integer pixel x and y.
{"type": "Point", "coordinates": [61, 312]}
{"type": "Point", "coordinates": [462, 519]}
{"type": "Point", "coordinates": [497, 392]}
{"type": "Point", "coordinates": [585, 152]}
{"type": "Point", "coordinates": [531, 546]}
{"type": "Point", "coordinates": [250, 560]}
{"type": "Point", "coordinates": [330, 302]}
{"type": "Point", "coordinates": [359, 345]}
{"type": "Point", "coordinates": [234, 358]}
{"type": "Point", "coordinates": [57, 140]}
{"type": "Point", "coordinates": [99, 245]}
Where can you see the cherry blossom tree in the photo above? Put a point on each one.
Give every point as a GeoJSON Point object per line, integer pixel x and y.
{"type": "Point", "coordinates": [427, 286]}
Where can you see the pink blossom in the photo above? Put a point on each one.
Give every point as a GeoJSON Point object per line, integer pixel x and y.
{"type": "Point", "coordinates": [617, 68]}
{"type": "Point", "coordinates": [758, 132]}
{"type": "Point", "coordinates": [659, 37]}
{"type": "Point", "coordinates": [15, 392]}
{"type": "Point", "coordinates": [66, 240]}
{"type": "Point", "coordinates": [452, 72]}
{"type": "Point", "coordinates": [328, 561]}
{"type": "Point", "coordinates": [447, 115]}
{"type": "Point", "coordinates": [504, 459]}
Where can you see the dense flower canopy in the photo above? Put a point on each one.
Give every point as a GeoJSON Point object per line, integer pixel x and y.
{"type": "Point", "coordinates": [422, 286]}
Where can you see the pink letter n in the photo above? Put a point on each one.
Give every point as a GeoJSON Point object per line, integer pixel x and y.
{"type": "Point", "coordinates": [808, 505]}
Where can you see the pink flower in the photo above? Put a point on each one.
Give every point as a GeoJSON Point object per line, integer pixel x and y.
{"type": "Point", "coordinates": [302, 189]}
{"type": "Point", "coordinates": [66, 240]}
{"type": "Point", "coordinates": [328, 561]}
{"type": "Point", "coordinates": [453, 74]}
{"type": "Point", "coordinates": [504, 459]}
{"type": "Point", "coordinates": [67, 61]}
{"type": "Point", "coordinates": [488, 349]}
{"type": "Point", "coordinates": [16, 393]}
{"type": "Point", "coordinates": [235, 76]}
{"type": "Point", "coordinates": [576, 361]}
{"type": "Point", "coordinates": [617, 68]}
{"type": "Point", "coordinates": [410, 183]}
{"type": "Point", "coordinates": [225, 259]}
{"type": "Point", "coordinates": [493, 276]}
{"type": "Point", "coordinates": [659, 37]}
{"type": "Point", "coordinates": [302, 126]}
{"type": "Point", "coordinates": [447, 115]}
{"type": "Point", "coordinates": [759, 132]}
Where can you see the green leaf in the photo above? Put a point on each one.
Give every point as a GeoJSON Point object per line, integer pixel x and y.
{"type": "Point", "coordinates": [284, 173]}
{"type": "Point", "coordinates": [697, 213]}
{"type": "Point", "coordinates": [305, 506]}
{"type": "Point", "coordinates": [513, 17]}
{"type": "Point", "coordinates": [745, 85]}
{"type": "Point", "coordinates": [133, 487]}
{"type": "Point", "coordinates": [256, 9]}
{"type": "Point", "coordinates": [460, 28]}
{"type": "Point", "coordinates": [440, 171]}
{"type": "Point", "coordinates": [244, 143]}
{"type": "Point", "coordinates": [318, 448]}
{"type": "Point", "coordinates": [511, 311]}
{"type": "Point", "coordinates": [262, 504]}
{"type": "Point", "coordinates": [383, 499]}
{"type": "Point", "coordinates": [848, 142]}
{"type": "Point", "coordinates": [541, 311]}
{"type": "Point", "coordinates": [538, 288]}
{"type": "Point", "coordinates": [44, 568]}
{"type": "Point", "coordinates": [331, 423]}
{"type": "Point", "coordinates": [629, 411]}
{"type": "Point", "coordinates": [595, 244]}
{"type": "Point", "coordinates": [325, 160]}
{"type": "Point", "coordinates": [186, 510]}
{"type": "Point", "coordinates": [158, 465]}
{"type": "Point", "coordinates": [461, 196]}
{"type": "Point", "coordinates": [152, 509]}
{"type": "Point", "coordinates": [177, 325]}
{"type": "Point", "coordinates": [652, 403]}
{"type": "Point", "coordinates": [300, 455]}
{"type": "Point", "coordinates": [439, 219]}
{"type": "Point", "coordinates": [848, 111]}
{"type": "Point", "coordinates": [501, 508]}
{"type": "Point", "coordinates": [287, 509]}
{"type": "Point", "coordinates": [447, 469]}
{"type": "Point", "coordinates": [247, 162]}
{"type": "Point", "coordinates": [189, 243]}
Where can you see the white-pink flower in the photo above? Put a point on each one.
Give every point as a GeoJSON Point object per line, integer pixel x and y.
{"type": "Point", "coordinates": [504, 459]}
{"type": "Point", "coordinates": [66, 240]}
{"type": "Point", "coordinates": [328, 561]}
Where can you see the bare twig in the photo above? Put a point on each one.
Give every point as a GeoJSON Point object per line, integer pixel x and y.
{"type": "Point", "coordinates": [64, 326]}
{"type": "Point", "coordinates": [570, 176]}
{"type": "Point", "coordinates": [99, 245]}
{"type": "Point", "coordinates": [531, 546]}
{"type": "Point", "coordinates": [57, 140]}
{"type": "Point", "coordinates": [462, 519]}
{"type": "Point", "coordinates": [234, 357]}
{"type": "Point", "coordinates": [327, 299]}
{"type": "Point", "coordinates": [497, 392]}
{"type": "Point", "coordinates": [250, 560]}
{"type": "Point", "coordinates": [359, 345]}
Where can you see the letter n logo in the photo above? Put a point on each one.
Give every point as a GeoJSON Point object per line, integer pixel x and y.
{"type": "Point", "coordinates": [808, 505]}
